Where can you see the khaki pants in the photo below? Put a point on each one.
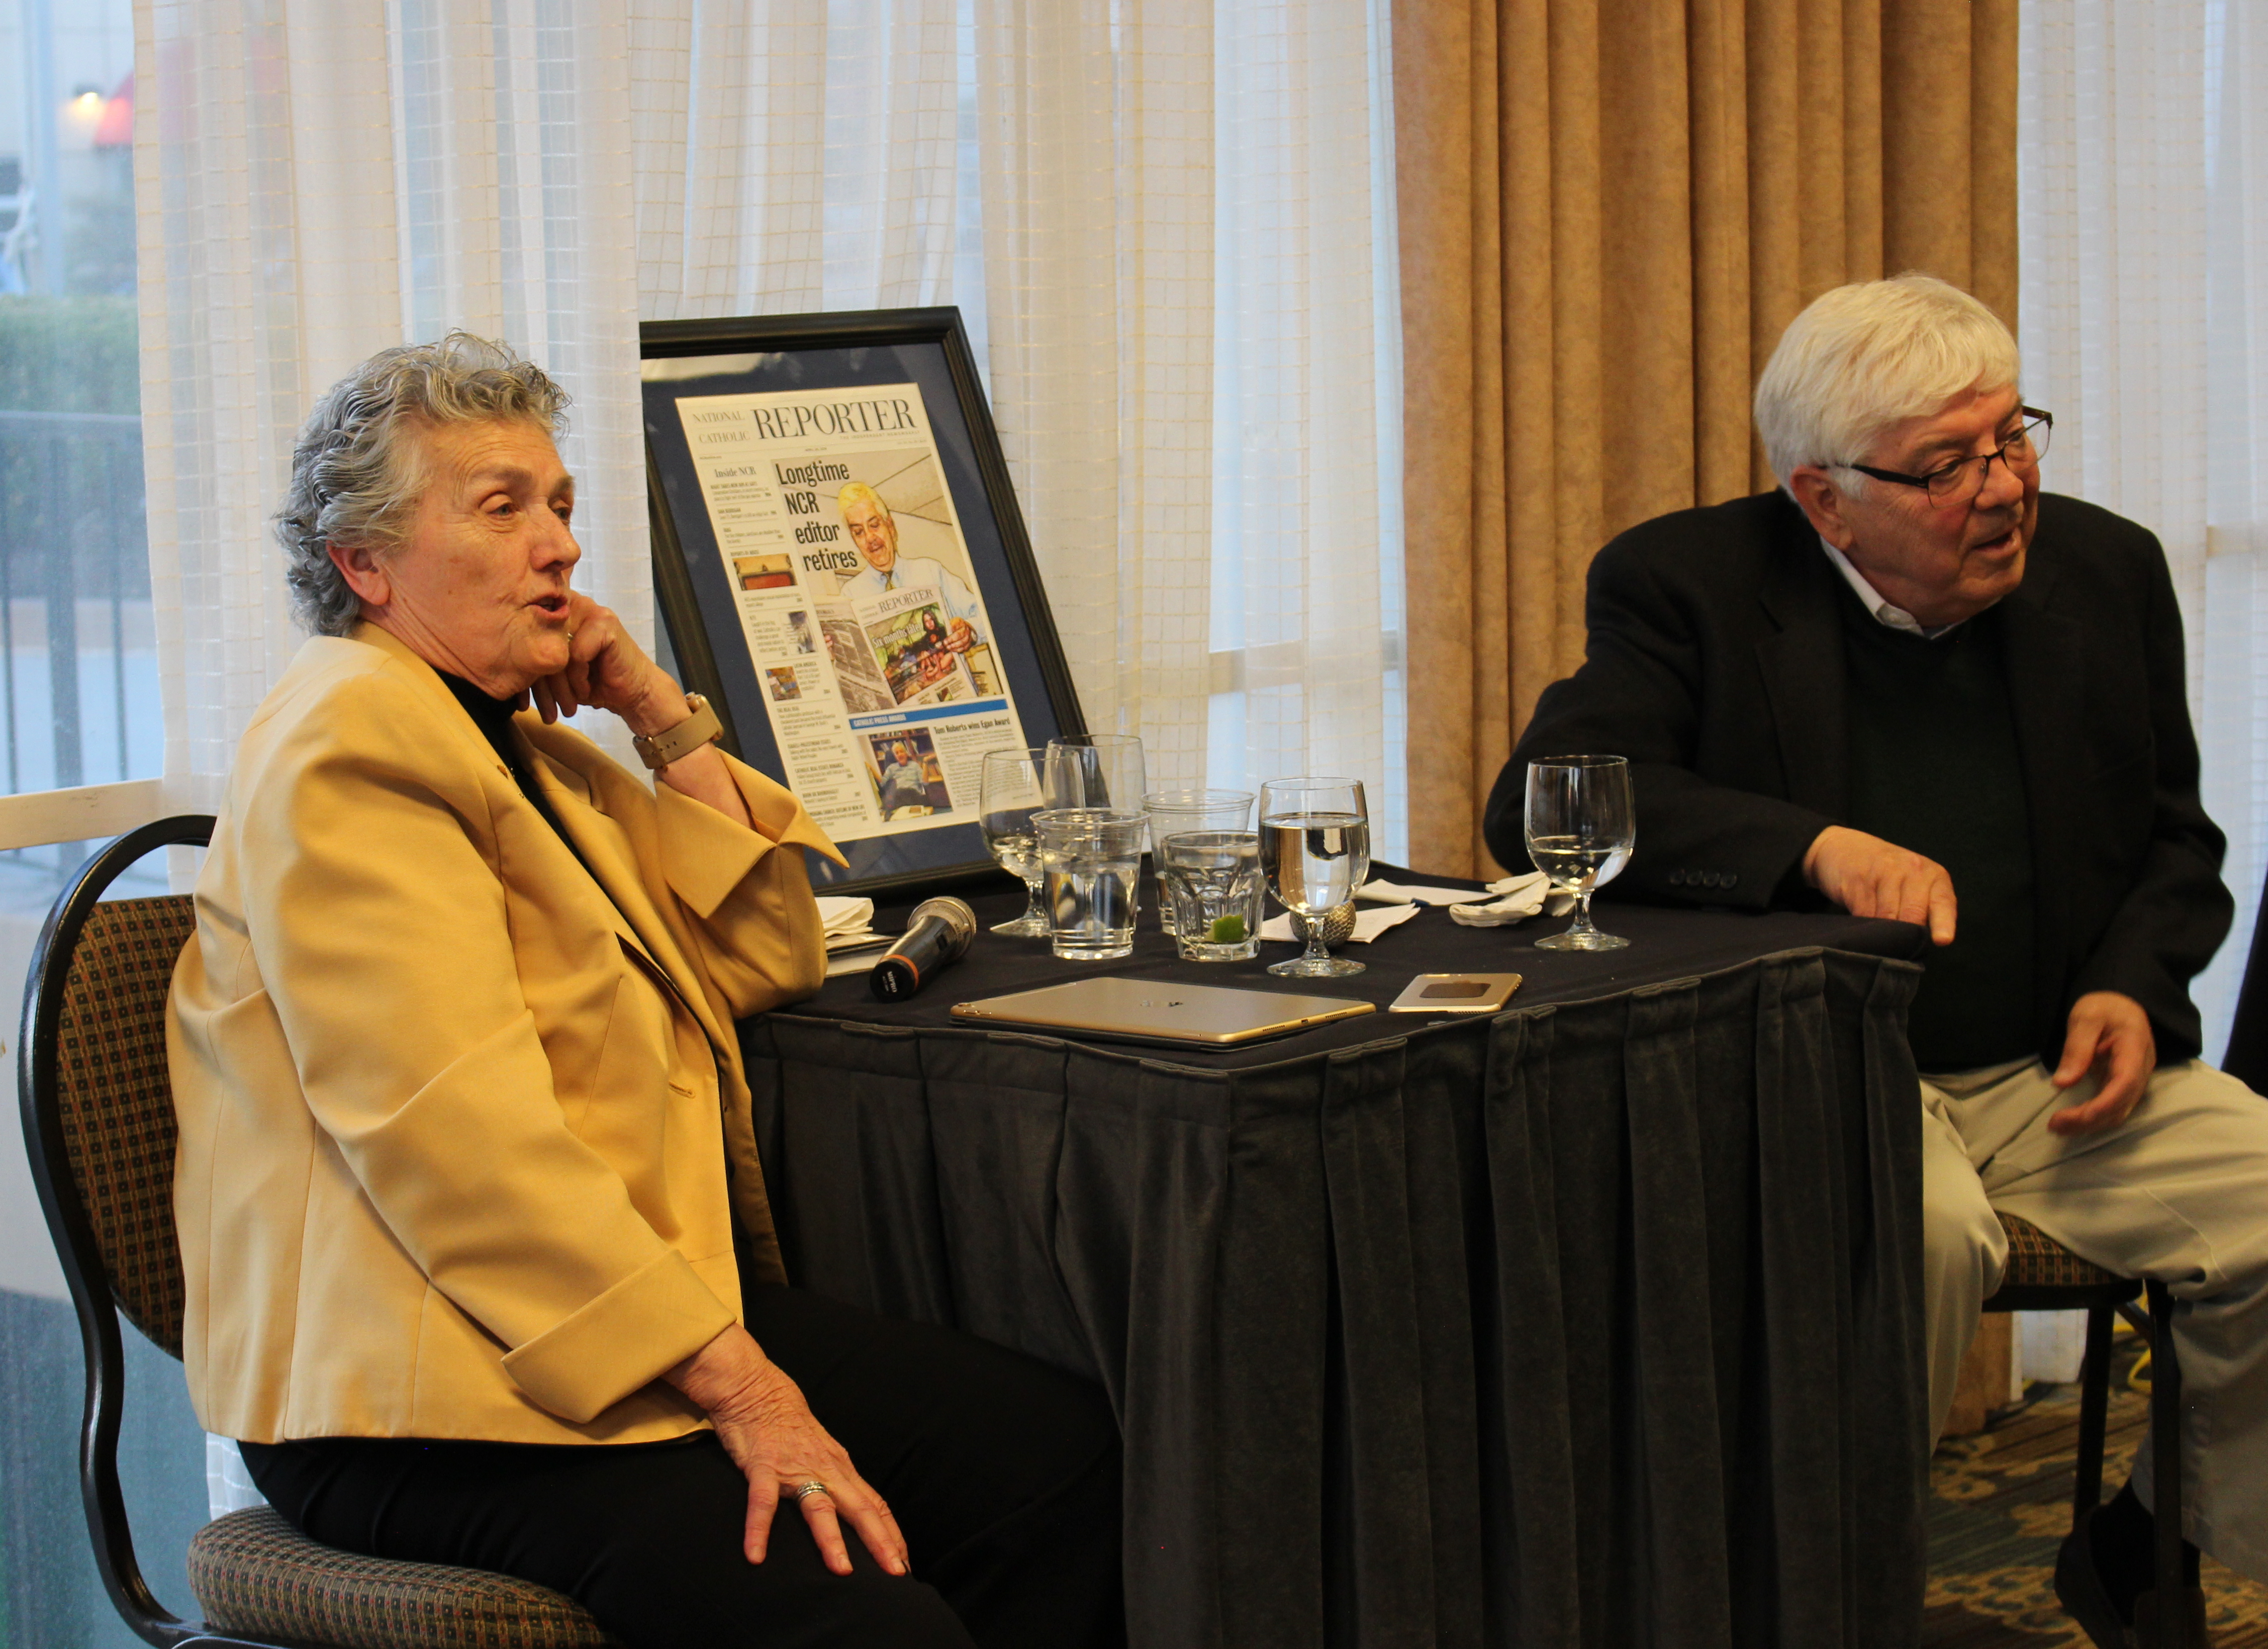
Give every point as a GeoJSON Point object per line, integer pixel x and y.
{"type": "Point", "coordinates": [2179, 1192]}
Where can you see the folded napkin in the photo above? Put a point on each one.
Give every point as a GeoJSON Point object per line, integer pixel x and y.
{"type": "Point", "coordinates": [849, 923]}
{"type": "Point", "coordinates": [1368, 923]}
{"type": "Point", "coordinates": [1517, 899]}
{"type": "Point", "coordinates": [1388, 893]}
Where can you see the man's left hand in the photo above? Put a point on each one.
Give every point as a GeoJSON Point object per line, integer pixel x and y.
{"type": "Point", "coordinates": [961, 637]}
{"type": "Point", "coordinates": [2110, 1033]}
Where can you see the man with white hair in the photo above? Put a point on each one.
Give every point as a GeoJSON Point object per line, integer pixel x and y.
{"type": "Point", "coordinates": [874, 530]}
{"type": "Point", "coordinates": [1910, 685]}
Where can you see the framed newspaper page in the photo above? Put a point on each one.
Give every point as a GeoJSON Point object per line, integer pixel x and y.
{"type": "Point", "coordinates": [843, 571]}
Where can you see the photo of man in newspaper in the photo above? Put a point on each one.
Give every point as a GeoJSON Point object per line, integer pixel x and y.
{"type": "Point", "coordinates": [908, 779]}
{"type": "Point", "coordinates": [874, 528]}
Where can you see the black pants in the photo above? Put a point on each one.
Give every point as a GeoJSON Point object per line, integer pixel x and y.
{"type": "Point", "coordinates": [1003, 1474]}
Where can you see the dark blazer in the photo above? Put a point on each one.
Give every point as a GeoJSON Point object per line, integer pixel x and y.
{"type": "Point", "coordinates": [1715, 664]}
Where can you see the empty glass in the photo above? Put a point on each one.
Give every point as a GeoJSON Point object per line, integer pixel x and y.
{"type": "Point", "coordinates": [1213, 883]}
{"type": "Point", "coordinates": [1092, 858]}
{"type": "Point", "coordinates": [1011, 787]}
{"type": "Point", "coordinates": [1172, 810]}
{"type": "Point", "coordinates": [1096, 770]}
{"type": "Point", "coordinates": [1314, 844]}
{"type": "Point", "coordinates": [1580, 826]}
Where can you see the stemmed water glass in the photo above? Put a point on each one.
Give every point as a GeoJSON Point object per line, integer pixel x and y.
{"type": "Point", "coordinates": [1314, 847]}
{"type": "Point", "coordinates": [1580, 826]}
{"type": "Point", "coordinates": [1012, 786]}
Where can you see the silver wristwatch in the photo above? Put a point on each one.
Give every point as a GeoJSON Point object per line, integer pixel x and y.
{"type": "Point", "coordinates": [658, 750]}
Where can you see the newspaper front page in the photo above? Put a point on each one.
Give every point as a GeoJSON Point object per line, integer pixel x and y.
{"type": "Point", "coordinates": [856, 600]}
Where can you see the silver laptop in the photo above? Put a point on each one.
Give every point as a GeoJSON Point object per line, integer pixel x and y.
{"type": "Point", "coordinates": [1159, 1011]}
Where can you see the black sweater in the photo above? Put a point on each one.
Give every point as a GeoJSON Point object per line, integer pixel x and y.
{"type": "Point", "coordinates": [1936, 768]}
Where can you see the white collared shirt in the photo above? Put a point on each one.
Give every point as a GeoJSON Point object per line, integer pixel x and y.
{"type": "Point", "coordinates": [1886, 614]}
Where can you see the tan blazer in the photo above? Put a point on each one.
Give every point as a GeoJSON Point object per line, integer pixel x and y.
{"type": "Point", "coordinates": [452, 1162]}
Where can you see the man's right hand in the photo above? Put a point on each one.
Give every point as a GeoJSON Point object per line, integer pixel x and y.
{"type": "Point", "coordinates": [1869, 877]}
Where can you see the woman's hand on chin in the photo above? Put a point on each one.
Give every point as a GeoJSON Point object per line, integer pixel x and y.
{"type": "Point", "coordinates": [607, 668]}
{"type": "Point", "coordinates": [768, 1429]}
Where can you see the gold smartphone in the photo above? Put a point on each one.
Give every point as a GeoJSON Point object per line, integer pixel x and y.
{"type": "Point", "coordinates": [1455, 993]}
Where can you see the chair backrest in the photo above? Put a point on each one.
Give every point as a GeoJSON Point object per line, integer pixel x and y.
{"type": "Point", "coordinates": [99, 1127]}
{"type": "Point", "coordinates": [115, 1102]}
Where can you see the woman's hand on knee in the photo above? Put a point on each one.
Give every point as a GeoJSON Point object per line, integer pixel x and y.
{"type": "Point", "coordinates": [768, 1429]}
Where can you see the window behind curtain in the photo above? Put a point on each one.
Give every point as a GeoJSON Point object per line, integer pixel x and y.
{"type": "Point", "coordinates": [78, 706]}
{"type": "Point", "coordinates": [2143, 172]}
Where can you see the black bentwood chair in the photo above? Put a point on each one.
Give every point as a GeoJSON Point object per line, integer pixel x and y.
{"type": "Point", "coordinates": [2042, 1274]}
{"type": "Point", "coordinates": [98, 1126]}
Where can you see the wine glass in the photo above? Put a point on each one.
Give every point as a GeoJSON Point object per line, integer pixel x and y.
{"type": "Point", "coordinates": [1314, 847]}
{"type": "Point", "coordinates": [1012, 786]}
{"type": "Point", "coordinates": [1580, 827]}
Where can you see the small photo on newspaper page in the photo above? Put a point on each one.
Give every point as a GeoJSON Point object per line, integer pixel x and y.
{"type": "Point", "coordinates": [858, 602]}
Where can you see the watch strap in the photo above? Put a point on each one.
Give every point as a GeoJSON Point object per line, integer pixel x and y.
{"type": "Point", "coordinates": [658, 750]}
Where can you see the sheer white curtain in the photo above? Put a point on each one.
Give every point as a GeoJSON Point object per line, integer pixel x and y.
{"type": "Point", "coordinates": [1307, 582]}
{"type": "Point", "coordinates": [317, 182]}
{"type": "Point", "coordinates": [2143, 159]}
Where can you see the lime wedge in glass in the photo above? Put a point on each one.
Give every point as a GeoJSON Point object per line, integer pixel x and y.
{"type": "Point", "coordinates": [1228, 930]}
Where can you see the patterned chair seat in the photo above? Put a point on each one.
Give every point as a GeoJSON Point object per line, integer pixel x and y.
{"type": "Point", "coordinates": [255, 1573]}
{"type": "Point", "coordinates": [2036, 1260]}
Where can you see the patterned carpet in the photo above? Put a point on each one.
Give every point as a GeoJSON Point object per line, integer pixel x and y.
{"type": "Point", "coordinates": [2001, 1505]}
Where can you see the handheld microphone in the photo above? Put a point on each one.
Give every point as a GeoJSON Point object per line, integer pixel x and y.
{"type": "Point", "coordinates": [936, 934]}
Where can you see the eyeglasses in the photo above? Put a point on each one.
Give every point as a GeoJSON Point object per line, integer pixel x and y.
{"type": "Point", "coordinates": [1963, 478]}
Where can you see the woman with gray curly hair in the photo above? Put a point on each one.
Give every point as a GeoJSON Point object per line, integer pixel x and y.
{"type": "Point", "coordinates": [479, 1261]}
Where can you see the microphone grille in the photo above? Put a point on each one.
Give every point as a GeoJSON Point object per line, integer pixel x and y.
{"type": "Point", "coordinates": [953, 912]}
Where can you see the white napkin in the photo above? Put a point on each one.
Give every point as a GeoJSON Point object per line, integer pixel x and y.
{"type": "Point", "coordinates": [849, 923]}
{"type": "Point", "coordinates": [1518, 898]}
{"type": "Point", "coordinates": [1368, 924]}
{"type": "Point", "coordinates": [1388, 893]}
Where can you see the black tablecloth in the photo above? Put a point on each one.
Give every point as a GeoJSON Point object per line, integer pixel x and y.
{"type": "Point", "coordinates": [1595, 1322]}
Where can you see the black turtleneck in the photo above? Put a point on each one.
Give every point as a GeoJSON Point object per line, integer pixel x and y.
{"type": "Point", "coordinates": [493, 717]}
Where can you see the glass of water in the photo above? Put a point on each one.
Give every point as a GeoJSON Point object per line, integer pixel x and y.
{"type": "Point", "coordinates": [1172, 811]}
{"type": "Point", "coordinates": [1315, 846]}
{"type": "Point", "coordinates": [1012, 786]}
{"type": "Point", "coordinates": [1581, 826]}
{"type": "Point", "coordinates": [1092, 860]}
{"type": "Point", "coordinates": [1213, 883]}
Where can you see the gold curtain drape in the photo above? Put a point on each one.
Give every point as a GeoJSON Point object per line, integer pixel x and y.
{"type": "Point", "coordinates": [1610, 210]}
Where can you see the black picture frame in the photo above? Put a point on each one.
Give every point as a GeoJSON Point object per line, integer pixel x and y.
{"type": "Point", "coordinates": [696, 596]}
